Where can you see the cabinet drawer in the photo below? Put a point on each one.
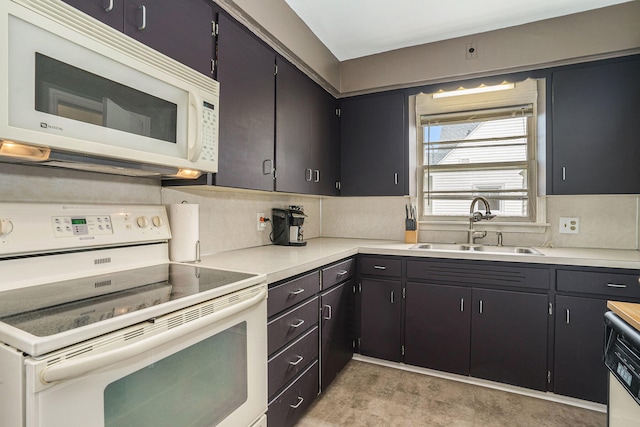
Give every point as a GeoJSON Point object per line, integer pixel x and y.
{"type": "Point", "coordinates": [380, 266]}
{"type": "Point", "coordinates": [602, 283]}
{"type": "Point", "coordinates": [338, 273]}
{"type": "Point", "coordinates": [292, 292]}
{"type": "Point", "coordinates": [287, 408]}
{"type": "Point", "coordinates": [292, 360]}
{"type": "Point", "coordinates": [459, 273]}
{"type": "Point", "coordinates": [292, 324]}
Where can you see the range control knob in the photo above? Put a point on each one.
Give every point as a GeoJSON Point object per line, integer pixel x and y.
{"type": "Point", "coordinates": [142, 221]}
{"type": "Point", "coordinates": [157, 221]}
{"type": "Point", "coordinates": [6, 227]}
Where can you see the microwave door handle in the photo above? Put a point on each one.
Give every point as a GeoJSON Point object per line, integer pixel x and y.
{"type": "Point", "coordinates": [81, 365]}
{"type": "Point", "coordinates": [194, 134]}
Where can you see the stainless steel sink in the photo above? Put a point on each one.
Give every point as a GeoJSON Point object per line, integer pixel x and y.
{"type": "Point", "coordinates": [463, 247]}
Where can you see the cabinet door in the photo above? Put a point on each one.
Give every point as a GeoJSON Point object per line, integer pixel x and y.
{"type": "Point", "coordinates": [372, 137]}
{"type": "Point", "coordinates": [509, 337]}
{"type": "Point", "coordinates": [180, 30]}
{"type": "Point", "coordinates": [579, 342]}
{"type": "Point", "coordinates": [438, 327]}
{"type": "Point", "coordinates": [293, 130]}
{"type": "Point", "coordinates": [380, 320]}
{"type": "Point", "coordinates": [337, 336]}
{"type": "Point", "coordinates": [110, 12]}
{"type": "Point", "coordinates": [595, 129]}
{"type": "Point", "coordinates": [306, 134]}
{"type": "Point", "coordinates": [247, 96]}
{"type": "Point", "coordinates": [325, 149]}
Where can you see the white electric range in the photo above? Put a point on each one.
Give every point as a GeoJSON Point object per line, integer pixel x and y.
{"type": "Point", "coordinates": [100, 328]}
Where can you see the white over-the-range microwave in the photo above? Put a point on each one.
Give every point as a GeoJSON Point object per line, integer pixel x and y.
{"type": "Point", "coordinates": [76, 93]}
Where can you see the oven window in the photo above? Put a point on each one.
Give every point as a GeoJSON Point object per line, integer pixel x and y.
{"type": "Point", "coordinates": [76, 94]}
{"type": "Point", "coordinates": [198, 386]}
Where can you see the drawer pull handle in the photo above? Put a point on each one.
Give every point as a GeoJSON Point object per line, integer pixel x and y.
{"type": "Point", "coordinates": [300, 358]}
{"type": "Point", "coordinates": [109, 8]}
{"type": "Point", "coordinates": [462, 304]}
{"type": "Point", "coordinates": [392, 297]}
{"type": "Point", "coordinates": [568, 317]}
{"type": "Point", "coordinates": [298, 292]}
{"type": "Point", "coordinates": [143, 25]}
{"type": "Point", "coordinates": [481, 307]}
{"type": "Point", "coordinates": [297, 324]}
{"type": "Point", "coordinates": [342, 272]}
{"type": "Point", "coordinates": [329, 314]}
{"type": "Point", "coordinates": [616, 285]}
{"type": "Point", "coordinates": [297, 405]}
{"type": "Point", "coordinates": [379, 267]}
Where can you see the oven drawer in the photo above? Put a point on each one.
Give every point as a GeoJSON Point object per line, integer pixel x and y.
{"type": "Point", "coordinates": [292, 324]}
{"type": "Point", "coordinates": [614, 283]}
{"type": "Point", "coordinates": [292, 292]}
{"type": "Point", "coordinates": [380, 266]}
{"type": "Point", "coordinates": [338, 273]}
{"type": "Point", "coordinates": [292, 360]}
{"type": "Point", "coordinates": [287, 408]}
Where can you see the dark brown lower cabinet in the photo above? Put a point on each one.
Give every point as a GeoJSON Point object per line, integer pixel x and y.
{"type": "Point", "coordinates": [579, 342]}
{"type": "Point", "coordinates": [337, 337]}
{"type": "Point", "coordinates": [438, 327]}
{"type": "Point", "coordinates": [287, 408]}
{"type": "Point", "coordinates": [381, 319]}
{"type": "Point", "coordinates": [509, 337]}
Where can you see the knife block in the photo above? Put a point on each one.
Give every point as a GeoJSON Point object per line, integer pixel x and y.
{"type": "Point", "coordinates": [411, 236]}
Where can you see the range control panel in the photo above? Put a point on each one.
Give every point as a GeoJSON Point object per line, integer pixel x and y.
{"type": "Point", "coordinates": [35, 228]}
{"type": "Point", "coordinates": [64, 226]}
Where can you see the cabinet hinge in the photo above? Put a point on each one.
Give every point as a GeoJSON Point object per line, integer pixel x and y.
{"type": "Point", "coordinates": [337, 185]}
{"type": "Point", "coordinates": [213, 65]}
{"type": "Point", "coordinates": [548, 377]}
{"type": "Point", "coordinates": [274, 173]}
{"type": "Point", "coordinates": [338, 111]}
{"type": "Point", "coordinates": [404, 293]}
{"type": "Point", "coordinates": [275, 70]}
{"type": "Point", "coordinates": [360, 287]}
{"type": "Point", "coordinates": [550, 309]}
{"type": "Point", "coordinates": [214, 29]}
{"type": "Point", "coordinates": [359, 344]}
{"type": "Point", "coordinates": [402, 349]}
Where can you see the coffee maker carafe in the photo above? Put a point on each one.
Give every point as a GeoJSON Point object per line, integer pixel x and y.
{"type": "Point", "coordinates": [287, 226]}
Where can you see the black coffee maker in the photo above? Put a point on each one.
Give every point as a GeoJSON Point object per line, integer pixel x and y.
{"type": "Point", "coordinates": [287, 226]}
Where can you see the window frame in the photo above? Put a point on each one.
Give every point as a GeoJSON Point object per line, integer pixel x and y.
{"type": "Point", "coordinates": [524, 93]}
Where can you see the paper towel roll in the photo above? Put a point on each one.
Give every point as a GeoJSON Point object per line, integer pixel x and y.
{"type": "Point", "coordinates": [184, 221]}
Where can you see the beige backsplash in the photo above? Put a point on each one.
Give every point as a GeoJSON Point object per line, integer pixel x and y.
{"type": "Point", "coordinates": [228, 217]}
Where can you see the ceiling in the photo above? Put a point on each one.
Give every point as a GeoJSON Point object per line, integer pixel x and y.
{"type": "Point", "coordinates": [355, 28]}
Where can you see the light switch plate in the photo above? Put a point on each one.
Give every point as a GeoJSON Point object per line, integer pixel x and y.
{"type": "Point", "coordinates": [569, 225]}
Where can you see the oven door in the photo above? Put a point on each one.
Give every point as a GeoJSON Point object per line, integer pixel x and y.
{"type": "Point", "coordinates": [205, 366]}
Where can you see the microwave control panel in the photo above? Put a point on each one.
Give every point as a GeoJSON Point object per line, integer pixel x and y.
{"type": "Point", "coordinates": [209, 133]}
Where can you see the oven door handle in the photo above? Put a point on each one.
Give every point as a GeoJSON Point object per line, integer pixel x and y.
{"type": "Point", "coordinates": [76, 367]}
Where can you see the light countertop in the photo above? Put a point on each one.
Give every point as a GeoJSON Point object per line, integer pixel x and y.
{"type": "Point", "coordinates": [280, 262]}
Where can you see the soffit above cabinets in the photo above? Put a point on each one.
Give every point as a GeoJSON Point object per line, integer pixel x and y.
{"type": "Point", "coordinates": [356, 28]}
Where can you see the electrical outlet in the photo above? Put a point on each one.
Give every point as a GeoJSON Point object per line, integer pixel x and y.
{"type": "Point", "coordinates": [569, 225]}
{"type": "Point", "coordinates": [472, 50]}
{"type": "Point", "coordinates": [262, 224]}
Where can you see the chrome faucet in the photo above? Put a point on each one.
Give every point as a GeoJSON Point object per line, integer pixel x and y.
{"type": "Point", "coordinates": [477, 216]}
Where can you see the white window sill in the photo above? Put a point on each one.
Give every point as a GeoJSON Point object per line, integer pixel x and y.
{"type": "Point", "coordinates": [504, 226]}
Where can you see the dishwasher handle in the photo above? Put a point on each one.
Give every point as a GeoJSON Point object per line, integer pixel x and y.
{"type": "Point", "coordinates": [81, 365]}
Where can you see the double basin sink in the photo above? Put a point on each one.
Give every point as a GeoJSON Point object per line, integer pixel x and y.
{"type": "Point", "coordinates": [467, 247]}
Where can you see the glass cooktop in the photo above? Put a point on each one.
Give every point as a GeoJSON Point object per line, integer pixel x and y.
{"type": "Point", "coordinates": [53, 308]}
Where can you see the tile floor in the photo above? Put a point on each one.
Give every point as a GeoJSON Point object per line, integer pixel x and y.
{"type": "Point", "coordinates": [365, 394]}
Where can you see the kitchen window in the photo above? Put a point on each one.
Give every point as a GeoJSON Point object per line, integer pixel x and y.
{"type": "Point", "coordinates": [479, 144]}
